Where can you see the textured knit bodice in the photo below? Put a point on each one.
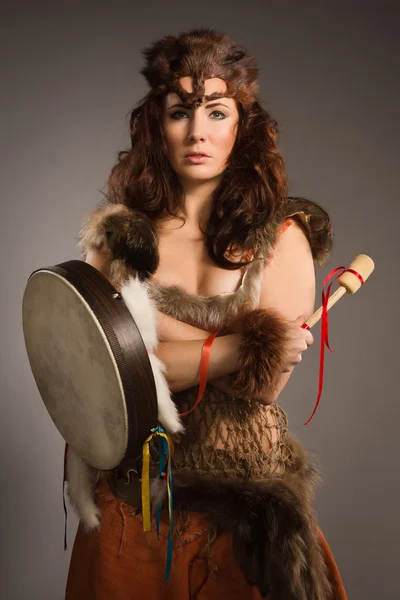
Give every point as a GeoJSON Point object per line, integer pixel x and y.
{"type": "Point", "coordinates": [224, 435]}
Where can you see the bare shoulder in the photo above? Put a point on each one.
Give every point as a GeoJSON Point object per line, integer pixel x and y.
{"type": "Point", "coordinates": [289, 277]}
{"type": "Point", "coordinates": [99, 260]}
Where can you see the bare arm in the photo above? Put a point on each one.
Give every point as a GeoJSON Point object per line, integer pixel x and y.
{"type": "Point", "coordinates": [181, 344]}
{"type": "Point", "coordinates": [182, 360]}
{"type": "Point", "coordinates": [289, 287]}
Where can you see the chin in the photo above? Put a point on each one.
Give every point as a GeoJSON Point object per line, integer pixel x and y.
{"type": "Point", "coordinates": [198, 174]}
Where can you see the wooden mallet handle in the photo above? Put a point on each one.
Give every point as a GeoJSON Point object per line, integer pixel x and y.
{"type": "Point", "coordinates": [348, 282]}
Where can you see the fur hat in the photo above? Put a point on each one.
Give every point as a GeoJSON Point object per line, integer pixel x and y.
{"type": "Point", "coordinates": [202, 54]}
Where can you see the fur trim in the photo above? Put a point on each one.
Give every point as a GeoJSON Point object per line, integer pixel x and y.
{"type": "Point", "coordinates": [264, 336]}
{"type": "Point", "coordinates": [316, 223]}
{"type": "Point", "coordinates": [314, 220]}
{"type": "Point", "coordinates": [80, 486]}
{"type": "Point", "coordinates": [126, 236]}
{"type": "Point", "coordinates": [202, 53]}
{"type": "Point", "coordinates": [136, 298]}
{"type": "Point", "coordinates": [275, 535]}
{"type": "Point", "coordinates": [209, 312]}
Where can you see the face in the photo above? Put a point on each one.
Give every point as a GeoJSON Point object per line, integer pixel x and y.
{"type": "Point", "coordinates": [210, 128]}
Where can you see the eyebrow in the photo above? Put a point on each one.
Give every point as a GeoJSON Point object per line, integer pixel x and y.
{"type": "Point", "coordinates": [207, 105]}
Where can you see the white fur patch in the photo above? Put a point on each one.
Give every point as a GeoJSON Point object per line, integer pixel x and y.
{"type": "Point", "coordinates": [137, 300]}
{"type": "Point", "coordinates": [80, 479]}
{"type": "Point", "coordinates": [141, 307]}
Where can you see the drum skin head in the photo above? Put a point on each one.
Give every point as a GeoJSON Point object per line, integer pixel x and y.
{"type": "Point", "coordinates": [76, 370]}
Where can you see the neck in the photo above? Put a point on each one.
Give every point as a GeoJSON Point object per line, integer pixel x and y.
{"type": "Point", "coordinates": [198, 201]}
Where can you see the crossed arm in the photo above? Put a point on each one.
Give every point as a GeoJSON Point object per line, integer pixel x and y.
{"type": "Point", "coordinates": [288, 286]}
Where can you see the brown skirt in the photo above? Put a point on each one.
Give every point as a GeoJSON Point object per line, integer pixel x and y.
{"type": "Point", "coordinates": [122, 562]}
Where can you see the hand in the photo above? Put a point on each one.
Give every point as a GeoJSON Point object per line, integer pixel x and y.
{"type": "Point", "coordinates": [299, 341]}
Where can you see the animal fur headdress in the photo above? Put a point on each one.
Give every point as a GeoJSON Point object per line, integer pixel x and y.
{"type": "Point", "coordinates": [202, 54]}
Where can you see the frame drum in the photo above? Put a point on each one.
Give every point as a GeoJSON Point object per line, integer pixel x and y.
{"type": "Point", "coordinates": [89, 362]}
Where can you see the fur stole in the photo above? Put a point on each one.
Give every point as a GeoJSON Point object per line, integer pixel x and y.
{"type": "Point", "coordinates": [122, 234]}
{"type": "Point", "coordinates": [274, 531]}
{"type": "Point", "coordinates": [314, 220]}
{"type": "Point", "coordinates": [129, 238]}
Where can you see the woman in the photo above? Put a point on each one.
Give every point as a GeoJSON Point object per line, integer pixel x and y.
{"type": "Point", "coordinates": [223, 250]}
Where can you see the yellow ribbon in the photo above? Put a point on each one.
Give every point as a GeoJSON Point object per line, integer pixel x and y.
{"type": "Point", "coordinates": [146, 478]}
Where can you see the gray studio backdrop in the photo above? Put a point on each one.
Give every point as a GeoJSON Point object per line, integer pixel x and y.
{"type": "Point", "coordinates": [330, 75]}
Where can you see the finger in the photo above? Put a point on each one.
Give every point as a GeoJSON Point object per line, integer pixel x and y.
{"type": "Point", "coordinates": [309, 338]}
{"type": "Point", "coordinates": [300, 318]}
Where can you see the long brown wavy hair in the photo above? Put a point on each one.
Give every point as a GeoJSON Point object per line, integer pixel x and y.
{"type": "Point", "coordinates": [251, 190]}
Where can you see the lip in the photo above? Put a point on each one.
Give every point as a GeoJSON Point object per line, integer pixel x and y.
{"type": "Point", "coordinates": [196, 159]}
{"type": "Point", "coordinates": [197, 154]}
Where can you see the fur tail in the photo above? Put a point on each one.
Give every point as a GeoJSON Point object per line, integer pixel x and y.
{"type": "Point", "coordinates": [167, 411]}
{"type": "Point", "coordinates": [80, 479]}
{"type": "Point", "coordinates": [141, 307]}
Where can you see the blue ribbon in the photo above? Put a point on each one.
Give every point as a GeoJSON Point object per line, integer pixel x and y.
{"type": "Point", "coordinates": [163, 447]}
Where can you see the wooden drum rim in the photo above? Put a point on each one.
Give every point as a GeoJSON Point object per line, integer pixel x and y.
{"type": "Point", "coordinates": [126, 344]}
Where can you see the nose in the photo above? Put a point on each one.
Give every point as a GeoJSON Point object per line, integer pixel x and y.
{"type": "Point", "coordinates": [196, 125]}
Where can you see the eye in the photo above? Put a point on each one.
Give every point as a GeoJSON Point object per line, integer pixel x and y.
{"type": "Point", "coordinates": [177, 112]}
{"type": "Point", "coordinates": [175, 115]}
{"type": "Point", "coordinates": [220, 112]}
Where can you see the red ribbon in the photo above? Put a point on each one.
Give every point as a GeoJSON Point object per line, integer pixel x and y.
{"type": "Point", "coordinates": [205, 359]}
{"type": "Point", "coordinates": [324, 326]}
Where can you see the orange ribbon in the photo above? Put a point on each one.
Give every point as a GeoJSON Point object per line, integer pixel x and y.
{"type": "Point", "coordinates": [205, 359]}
